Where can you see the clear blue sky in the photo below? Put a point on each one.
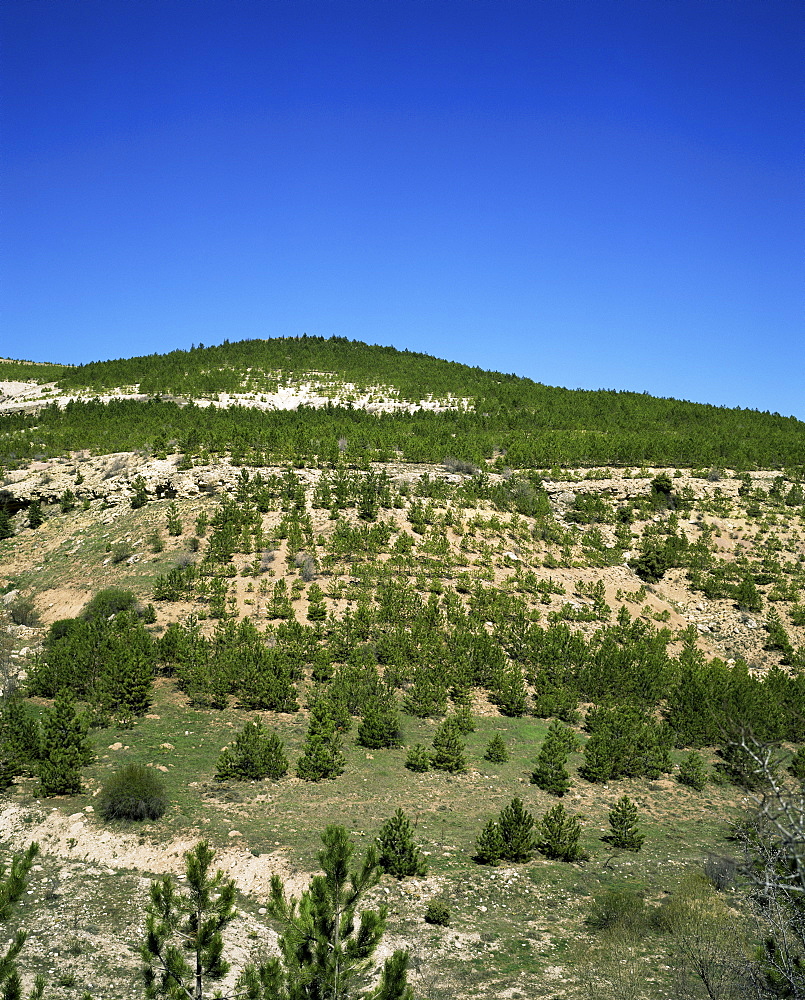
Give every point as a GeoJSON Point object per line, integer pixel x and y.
{"type": "Point", "coordinates": [593, 193]}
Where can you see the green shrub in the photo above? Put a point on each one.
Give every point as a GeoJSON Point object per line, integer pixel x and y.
{"type": "Point", "coordinates": [108, 602]}
{"type": "Point", "coordinates": [134, 792]}
{"type": "Point", "coordinates": [438, 913]}
{"type": "Point", "coordinates": [797, 765]}
{"type": "Point", "coordinates": [23, 612]}
{"type": "Point", "coordinates": [618, 908]}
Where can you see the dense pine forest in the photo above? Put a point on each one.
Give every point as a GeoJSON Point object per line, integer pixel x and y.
{"type": "Point", "coordinates": [490, 416]}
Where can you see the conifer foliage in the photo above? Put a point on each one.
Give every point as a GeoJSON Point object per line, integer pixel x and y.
{"type": "Point", "coordinates": [623, 826]}
{"type": "Point", "coordinates": [448, 750]}
{"type": "Point", "coordinates": [187, 925]}
{"type": "Point", "coordinates": [12, 888]}
{"type": "Point", "coordinates": [322, 753]}
{"type": "Point", "coordinates": [496, 751]}
{"type": "Point", "coordinates": [510, 837]}
{"type": "Point", "coordinates": [326, 946]}
{"type": "Point", "coordinates": [559, 835]}
{"type": "Point", "coordinates": [64, 748]}
{"type": "Point", "coordinates": [550, 773]}
{"type": "Point", "coordinates": [256, 754]}
{"type": "Point", "coordinates": [398, 855]}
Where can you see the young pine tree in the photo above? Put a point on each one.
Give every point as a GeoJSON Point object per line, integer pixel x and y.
{"type": "Point", "coordinates": [64, 747]}
{"type": "Point", "coordinates": [380, 726]}
{"type": "Point", "coordinates": [35, 515]}
{"type": "Point", "coordinates": [550, 773]}
{"type": "Point", "coordinates": [398, 855]}
{"type": "Point", "coordinates": [692, 771]}
{"type": "Point", "coordinates": [322, 752]}
{"type": "Point", "coordinates": [187, 925]}
{"type": "Point", "coordinates": [516, 829]}
{"type": "Point", "coordinates": [448, 750]}
{"type": "Point", "coordinates": [623, 826]}
{"type": "Point", "coordinates": [509, 837]}
{"type": "Point", "coordinates": [496, 752]}
{"type": "Point", "coordinates": [417, 759]}
{"type": "Point", "coordinates": [12, 888]}
{"type": "Point", "coordinates": [256, 754]}
{"type": "Point", "coordinates": [6, 531]}
{"type": "Point", "coordinates": [559, 835]}
{"type": "Point", "coordinates": [326, 946]}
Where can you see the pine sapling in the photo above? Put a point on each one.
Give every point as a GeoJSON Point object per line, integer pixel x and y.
{"type": "Point", "coordinates": [496, 752]}
{"type": "Point", "coordinates": [398, 855]}
{"type": "Point", "coordinates": [559, 835]}
{"type": "Point", "coordinates": [418, 759]}
{"type": "Point", "coordinates": [448, 750]}
{"type": "Point", "coordinates": [623, 825]}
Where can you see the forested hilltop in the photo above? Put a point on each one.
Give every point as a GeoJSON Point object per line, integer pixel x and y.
{"type": "Point", "coordinates": [456, 411]}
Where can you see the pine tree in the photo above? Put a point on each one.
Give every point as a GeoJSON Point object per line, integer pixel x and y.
{"type": "Point", "coordinates": [447, 753]}
{"type": "Point", "coordinates": [427, 696]}
{"type": "Point", "coordinates": [189, 923]}
{"type": "Point", "coordinates": [12, 888]}
{"type": "Point", "coordinates": [418, 759]}
{"type": "Point", "coordinates": [19, 739]}
{"type": "Point", "coordinates": [326, 946]}
{"type": "Point", "coordinates": [398, 855]}
{"type": "Point", "coordinates": [6, 531]}
{"type": "Point", "coordinates": [173, 521]}
{"type": "Point", "coordinates": [516, 829]}
{"type": "Point", "coordinates": [623, 825]}
{"type": "Point", "coordinates": [380, 726]}
{"type": "Point", "coordinates": [257, 754]}
{"type": "Point", "coordinates": [692, 771]}
{"type": "Point", "coordinates": [509, 837]}
{"type": "Point", "coordinates": [496, 752]}
{"type": "Point", "coordinates": [550, 773]}
{"type": "Point", "coordinates": [559, 834]}
{"type": "Point", "coordinates": [489, 847]}
{"type": "Point", "coordinates": [35, 515]}
{"type": "Point", "coordinates": [64, 747]}
{"type": "Point", "coordinates": [140, 493]}
{"type": "Point", "coordinates": [510, 693]}
{"type": "Point", "coordinates": [126, 687]}
{"type": "Point", "coordinates": [322, 752]}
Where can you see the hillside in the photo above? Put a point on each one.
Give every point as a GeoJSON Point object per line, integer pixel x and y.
{"type": "Point", "coordinates": [293, 399]}
{"type": "Point", "coordinates": [377, 595]}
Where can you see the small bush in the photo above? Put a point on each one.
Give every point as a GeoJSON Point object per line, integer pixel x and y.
{"type": "Point", "coordinates": [621, 908]}
{"type": "Point", "coordinates": [108, 602]}
{"type": "Point", "coordinates": [121, 551]}
{"type": "Point", "coordinates": [135, 792]}
{"type": "Point", "coordinates": [720, 872]}
{"type": "Point", "coordinates": [437, 913]}
{"type": "Point", "coordinates": [23, 612]}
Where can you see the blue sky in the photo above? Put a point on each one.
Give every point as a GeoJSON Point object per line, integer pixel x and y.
{"type": "Point", "coordinates": [593, 193]}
